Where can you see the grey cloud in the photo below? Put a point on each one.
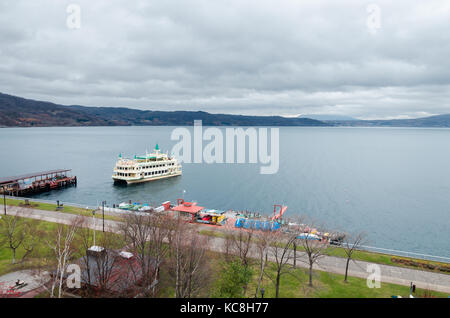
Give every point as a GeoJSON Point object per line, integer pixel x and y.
{"type": "Point", "coordinates": [252, 57]}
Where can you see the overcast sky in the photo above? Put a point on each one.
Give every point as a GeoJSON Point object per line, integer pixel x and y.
{"type": "Point", "coordinates": [284, 57]}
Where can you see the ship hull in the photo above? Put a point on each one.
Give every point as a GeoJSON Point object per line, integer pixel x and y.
{"type": "Point", "coordinates": [116, 180]}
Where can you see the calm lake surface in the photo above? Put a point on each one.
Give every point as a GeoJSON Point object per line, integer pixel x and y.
{"type": "Point", "coordinates": [393, 183]}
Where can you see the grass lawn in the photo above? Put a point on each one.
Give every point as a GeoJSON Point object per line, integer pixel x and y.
{"type": "Point", "coordinates": [66, 209]}
{"type": "Point", "coordinates": [366, 256]}
{"type": "Point", "coordinates": [41, 252]}
{"type": "Point", "coordinates": [295, 284]}
{"type": "Point", "coordinates": [329, 285]}
{"type": "Point", "coordinates": [41, 248]}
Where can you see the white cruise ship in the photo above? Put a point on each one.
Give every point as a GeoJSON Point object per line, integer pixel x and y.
{"type": "Point", "coordinates": [150, 167]}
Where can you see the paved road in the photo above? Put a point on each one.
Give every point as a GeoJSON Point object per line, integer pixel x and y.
{"type": "Point", "coordinates": [389, 274]}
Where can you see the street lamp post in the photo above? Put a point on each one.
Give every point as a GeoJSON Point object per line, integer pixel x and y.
{"type": "Point", "coordinates": [4, 199]}
{"type": "Point", "coordinates": [103, 214]}
{"type": "Point", "coordinates": [93, 219]}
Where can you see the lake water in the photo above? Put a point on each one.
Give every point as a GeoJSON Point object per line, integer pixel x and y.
{"type": "Point", "coordinates": [392, 183]}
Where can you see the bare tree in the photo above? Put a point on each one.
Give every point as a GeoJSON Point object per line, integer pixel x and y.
{"type": "Point", "coordinates": [351, 243]}
{"type": "Point", "coordinates": [85, 238]}
{"type": "Point", "coordinates": [189, 264]}
{"type": "Point", "coordinates": [313, 246]}
{"type": "Point", "coordinates": [12, 233]}
{"type": "Point", "coordinates": [226, 247]}
{"type": "Point", "coordinates": [62, 247]}
{"type": "Point", "coordinates": [241, 243]}
{"type": "Point", "coordinates": [147, 236]}
{"type": "Point", "coordinates": [99, 268]}
{"type": "Point", "coordinates": [33, 236]}
{"type": "Point", "coordinates": [281, 251]}
{"type": "Point", "coordinates": [263, 240]}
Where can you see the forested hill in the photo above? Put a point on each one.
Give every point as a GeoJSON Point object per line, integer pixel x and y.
{"type": "Point", "coordinates": [21, 112]}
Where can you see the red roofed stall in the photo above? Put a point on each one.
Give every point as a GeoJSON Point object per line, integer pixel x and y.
{"type": "Point", "coordinates": [190, 209]}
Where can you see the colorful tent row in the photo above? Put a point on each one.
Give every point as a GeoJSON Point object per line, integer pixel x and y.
{"type": "Point", "coordinates": [257, 225]}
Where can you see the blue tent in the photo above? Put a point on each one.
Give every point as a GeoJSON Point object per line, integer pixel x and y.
{"type": "Point", "coordinates": [248, 224]}
{"type": "Point", "coordinates": [239, 222]}
{"type": "Point", "coordinates": [274, 226]}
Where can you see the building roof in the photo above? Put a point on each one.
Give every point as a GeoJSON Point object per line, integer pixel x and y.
{"type": "Point", "coordinates": [30, 175]}
{"type": "Point", "coordinates": [189, 207]}
{"type": "Point", "coordinates": [119, 269]}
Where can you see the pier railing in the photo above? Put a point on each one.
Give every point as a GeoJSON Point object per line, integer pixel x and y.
{"type": "Point", "coordinates": [362, 247]}
{"type": "Point", "coordinates": [405, 253]}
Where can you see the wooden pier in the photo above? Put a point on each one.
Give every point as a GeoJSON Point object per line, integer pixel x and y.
{"type": "Point", "coordinates": [36, 182]}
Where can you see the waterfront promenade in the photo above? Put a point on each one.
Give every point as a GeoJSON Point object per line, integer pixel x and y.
{"type": "Point", "coordinates": [389, 274]}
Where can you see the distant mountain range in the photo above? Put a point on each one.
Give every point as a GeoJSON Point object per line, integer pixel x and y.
{"type": "Point", "coordinates": [323, 117]}
{"type": "Point", "coordinates": [437, 121]}
{"type": "Point", "coordinates": [20, 112]}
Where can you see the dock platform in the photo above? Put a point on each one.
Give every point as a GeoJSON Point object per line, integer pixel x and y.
{"type": "Point", "coordinates": [36, 182]}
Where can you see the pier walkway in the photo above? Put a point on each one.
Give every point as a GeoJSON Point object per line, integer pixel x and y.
{"type": "Point", "coordinates": [36, 182]}
{"type": "Point", "coordinates": [389, 274]}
